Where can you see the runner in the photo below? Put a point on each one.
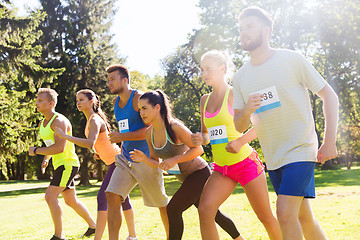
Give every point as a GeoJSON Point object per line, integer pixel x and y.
{"type": "Point", "coordinates": [127, 173]}
{"type": "Point", "coordinates": [64, 160]}
{"type": "Point", "coordinates": [96, 132]}
{"type": "Point", "coordinates": [272, 90]}
{"type": "Point", "coordinates": [235, 161]}
{"type": "Point", "coordinates": [170, 140]}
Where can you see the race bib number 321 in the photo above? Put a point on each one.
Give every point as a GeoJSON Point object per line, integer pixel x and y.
{"type": "Point", "coordinates": [270, 99]}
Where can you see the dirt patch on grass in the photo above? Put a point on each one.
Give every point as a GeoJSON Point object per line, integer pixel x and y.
{"type": "Point", "coordinates": [337, 194]}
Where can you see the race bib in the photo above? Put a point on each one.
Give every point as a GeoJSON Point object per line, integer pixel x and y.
{"type": "Point", "coordinates": [48, 142]}
{"type": "Point", "coordinates": [174, 170]}
{"type": "Point", "coordinates": [218, 135]}
{"type": "Point", "coordinates": [124, 125]}
{"type": "Point", "coordinates": [270, 99]}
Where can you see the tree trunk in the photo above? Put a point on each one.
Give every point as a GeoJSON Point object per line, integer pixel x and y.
{"type": "Point", "coordinates": [84, 169]}
{"type": "Point", "coordinates": [20, 165]}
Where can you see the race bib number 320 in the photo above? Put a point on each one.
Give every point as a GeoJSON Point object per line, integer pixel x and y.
{"type": "Point", "coordinates": [218, 135]}
{"type": "Point", "coordinates": [124, 125]}
{"type": "Point", "coordinates": [270, 99]}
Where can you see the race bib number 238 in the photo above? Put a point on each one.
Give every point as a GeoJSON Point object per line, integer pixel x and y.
{"type": "Point", "coordinates": [270, 99]}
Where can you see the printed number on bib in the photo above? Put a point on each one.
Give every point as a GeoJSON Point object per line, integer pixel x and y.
{"type": "Point", "coordinates": [218, 135]}
{"type": "Point", "coordinates": [48, 142]}
{"type": "Point", "coordinates": [270, 99]}
{"type": "Point", "coordinates": [124, 125]}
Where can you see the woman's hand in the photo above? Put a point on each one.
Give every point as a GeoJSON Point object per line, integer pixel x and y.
{"type": "Point", "coordinates": [58, 131]}
{"type": "Point", "coordinates": [234, 146]}
{"type": "Point", "coordinates": [168, 164]}
{"type": "Point", "coordinates": [197, 139]}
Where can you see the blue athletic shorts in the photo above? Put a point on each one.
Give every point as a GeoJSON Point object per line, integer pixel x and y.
{"type": "Point", "coordinates": [294, 179]}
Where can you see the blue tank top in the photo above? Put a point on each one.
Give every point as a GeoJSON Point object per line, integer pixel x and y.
{"type": "Point", "coordinates": [129, 120]}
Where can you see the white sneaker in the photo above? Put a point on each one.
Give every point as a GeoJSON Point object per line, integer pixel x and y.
{"type": "Point", "coordinates": [131, 238]}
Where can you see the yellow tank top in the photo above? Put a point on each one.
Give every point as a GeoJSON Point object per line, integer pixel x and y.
{"type": "Point", "coordinates": [222, 130]}
{"type": "Point", "coordinates": [68, 157]}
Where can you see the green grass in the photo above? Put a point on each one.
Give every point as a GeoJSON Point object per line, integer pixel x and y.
{"type": "Point", "coordinates": [25, 215]}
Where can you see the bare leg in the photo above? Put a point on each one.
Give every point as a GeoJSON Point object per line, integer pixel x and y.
{"type": "Point", "coordinates": [216, 191]}
{"type": "Point", "coordinates": [258, 196]}
{"type": "Point", "coordinates": [287, 210]}
{"type": "Point", "coordinates": [310, 226]}
{"type": "Point", "coordinates": [72, 201]}
{"type": "Point", "coordinates": [165, 220]}
{"type": "Point", "coordinates": [130, 221]}
{"type": "Point", "coordinates": [114, 215]}
{"type": "Point", "coordinates": [100, 224]}
{"type": "Point", "coordinates": [51, 197]}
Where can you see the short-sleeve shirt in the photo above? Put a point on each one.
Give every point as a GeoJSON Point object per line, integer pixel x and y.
{"type": "Point", "coordinates": [284, 124]}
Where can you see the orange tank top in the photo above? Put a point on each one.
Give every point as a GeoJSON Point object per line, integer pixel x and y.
{"type": "Point", "coordinates": [103, 147]}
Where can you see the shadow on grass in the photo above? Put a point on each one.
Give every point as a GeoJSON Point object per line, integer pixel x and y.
{"type": "Point", "coordinates": [12, 182]}
{"type": "Point", "coordinates": [328, 178]}
{"type": "Point", "coordinates": [340, 177]}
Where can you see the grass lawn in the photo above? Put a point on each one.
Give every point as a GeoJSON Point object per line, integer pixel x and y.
{"type": "Point", "coordinates": [25, 215]}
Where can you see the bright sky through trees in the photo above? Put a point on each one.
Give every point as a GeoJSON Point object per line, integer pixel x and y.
{"type": "Point", "coordinates": [147, 31]}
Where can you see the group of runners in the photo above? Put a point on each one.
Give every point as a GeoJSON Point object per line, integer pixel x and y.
{"type": "Point", "coordinates": [270, 92]}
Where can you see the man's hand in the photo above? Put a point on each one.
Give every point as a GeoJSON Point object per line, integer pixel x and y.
{"type": "Point", "coordinates": [137, 155]}
{"type": "Point", "coordinates": [115, 137]}
{"type": "Point", "coordinates": [31, 151]}
{"type": "Point", "coordinates": [254, 102]}
{"type": "Point", "coordinates": [326, 152]}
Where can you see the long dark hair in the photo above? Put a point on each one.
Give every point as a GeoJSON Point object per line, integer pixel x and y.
{"type": "Point", "coordinates": [159, 97]}
{"type": "Point", "coordinates": [96, 106]}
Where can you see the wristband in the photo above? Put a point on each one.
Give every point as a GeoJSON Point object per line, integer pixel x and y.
{"type": "Point", "coordinates": [35, 150]}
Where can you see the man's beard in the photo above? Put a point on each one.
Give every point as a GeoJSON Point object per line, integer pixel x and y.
{"type": "Point", "coordinates": [117, 91]}
{"type": "Point", "coordinates": [253, 45]}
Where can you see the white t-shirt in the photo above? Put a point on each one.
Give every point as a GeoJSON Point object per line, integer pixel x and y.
{"type": "Point", "coordinates": [284, 124]}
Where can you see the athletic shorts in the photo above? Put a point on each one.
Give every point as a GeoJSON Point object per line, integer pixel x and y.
{"type": "Point", "coordinates": [128, 174]}
{"type": "Point", "coordinates": [64, 176]}
{"type": "Point", "coordinates": [101, 197]}
{"type": "Point", "coordinates": [294, 179]}
{"type": "Point", "coordinates": [242, 172]}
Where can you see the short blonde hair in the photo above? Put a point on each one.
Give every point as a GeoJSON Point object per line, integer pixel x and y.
{"type": "Point", "coordinates": [222, 58]}
{"type": "Point", "coordinates": [51, 94]}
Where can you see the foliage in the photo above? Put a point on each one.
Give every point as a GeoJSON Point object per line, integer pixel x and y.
{"type": "Point", "coordinates": [21, 73]}
{"type": "Point", "coordinates": [76, 37]}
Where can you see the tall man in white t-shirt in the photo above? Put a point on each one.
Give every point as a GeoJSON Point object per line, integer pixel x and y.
{"type": "Point", "coordinates": [271, 91]}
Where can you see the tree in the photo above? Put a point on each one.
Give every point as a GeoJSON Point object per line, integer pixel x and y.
{"type": "Point", "coordinates": [326, 32]}
{"type": "Point", "coordinates": [21, 73]}
{"type": "Point", "coordinates": [76, 37]}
